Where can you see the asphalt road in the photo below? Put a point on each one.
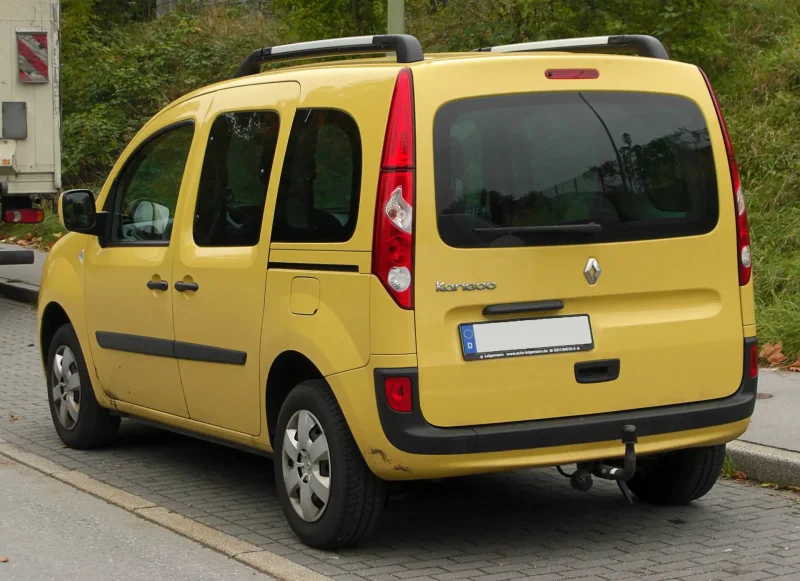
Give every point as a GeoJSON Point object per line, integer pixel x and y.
{"type": "Point", "coordinates": [528, 524]}
{"type": "Point", "coordinates": [52, 531]}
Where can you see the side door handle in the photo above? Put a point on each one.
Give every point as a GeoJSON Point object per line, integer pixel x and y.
{"type": "Point", "coordinates": [181, 286]}
{"type": "Point", "coordinates": [160, 285]}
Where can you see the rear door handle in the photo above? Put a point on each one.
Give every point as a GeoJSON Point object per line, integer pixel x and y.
{"type": "Point", "coordinates": [181, 286]}
{"type": "Point", "coordinates": [528, 307]}
{"type": "Point", "coordinates": [160, 285]}
{"type": "Point", "coordinates": [597, 371]}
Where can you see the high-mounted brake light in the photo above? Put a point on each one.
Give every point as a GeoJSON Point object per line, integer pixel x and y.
{"type": "Point", "coordinates": [393, 241]}
{"type": "Point", "coordinates": [558, 74]}
{"type": "Point", "coordinates": [742, 229]}
{"type": "Point", "coordinates": [24, 216]}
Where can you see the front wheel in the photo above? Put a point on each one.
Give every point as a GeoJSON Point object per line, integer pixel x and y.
{"type": "Point", "coordinates": [679, 477]}
{"type": "Point", "coordinates": [328, 494]}
{"type": "Point", "coordinates": [79, 420]}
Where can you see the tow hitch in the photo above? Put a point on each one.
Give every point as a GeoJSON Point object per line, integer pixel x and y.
{"type": "Point", "coordinates": [581, 479]}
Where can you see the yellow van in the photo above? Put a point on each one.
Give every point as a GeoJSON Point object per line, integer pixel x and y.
{"type": "Point", "coordinates": [419, 266]}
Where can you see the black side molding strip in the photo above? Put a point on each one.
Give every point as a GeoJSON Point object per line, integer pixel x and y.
{"type": "Point", "coordinates": [169, 348]}
{"type": "Point", "coordinates": [529, 307]}
{"type": "Point", "coordinates": [411, 432]}
{"type": "Point", "coordinates": [314, 266]}
{"type": "Point", "coordinates": [136, 344]}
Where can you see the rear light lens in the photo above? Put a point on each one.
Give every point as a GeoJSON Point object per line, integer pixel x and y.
{"type": "Point", "coordinates": [393, 241]}
{"type": "Point", "coordinates": [25, 216]}
{"type": "Point", "coordinates": [398, 393]}
{"type": "Point", "coordinates": [753, 361]}
{"type": "Point", "coordinates": [742, 228]}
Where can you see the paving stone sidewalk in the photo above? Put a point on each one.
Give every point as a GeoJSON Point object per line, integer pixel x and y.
{"type": "Point", "coordinates": [528, 524]}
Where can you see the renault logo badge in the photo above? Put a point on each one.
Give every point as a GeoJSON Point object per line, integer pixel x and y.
{"type": "Point", "coordinates": [592, 271]}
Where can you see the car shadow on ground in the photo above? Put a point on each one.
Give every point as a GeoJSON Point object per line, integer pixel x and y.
{"type": "Point", "coordinates": [524, 512]}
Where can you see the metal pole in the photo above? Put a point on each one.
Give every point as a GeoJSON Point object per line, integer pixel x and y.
{"type": "Point", "coordinates": [395, 16]}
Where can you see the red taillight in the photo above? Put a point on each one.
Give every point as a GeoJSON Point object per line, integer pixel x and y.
{"type": "Point", "coordinates": [25, 216]}
{"type": "Point", "coordinates": [398, 393]}
{"type": "Point", "coordinates": [744, 253]}
{"type": "Point", "coordinates": [572, 74]}
{"type": "Point", "coordinates": [753, 360]}
{"type": "Point", "coordinates": [393, 240]}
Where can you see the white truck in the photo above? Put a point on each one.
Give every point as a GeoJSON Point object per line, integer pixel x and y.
{"type": "Point", "coordinates": [30, 112]}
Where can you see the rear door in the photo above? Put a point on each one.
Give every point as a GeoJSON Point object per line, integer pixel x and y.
{"type": "Point", "coordinates": [220, 265]}
{"type": "Point", "coordinates": [590, 221]}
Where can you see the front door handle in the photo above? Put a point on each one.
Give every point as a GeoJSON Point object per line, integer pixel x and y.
{"type": "Point", "coordinates": [160, 285]}
{"type": "Point", "coordinates": [181, 286]}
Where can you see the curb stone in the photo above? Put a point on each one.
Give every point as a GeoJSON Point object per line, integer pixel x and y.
{"type": "Point", "coordinates": [766, 464]}
{"type": "Point", "coordinates": [19, 291]}
{"type": "Point", "coordinates": [280, 568]}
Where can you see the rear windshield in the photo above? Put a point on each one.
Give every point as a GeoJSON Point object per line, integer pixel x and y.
{"type": "Point", "coordinates": [509, 168]}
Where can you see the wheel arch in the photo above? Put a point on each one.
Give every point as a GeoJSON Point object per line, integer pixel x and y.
{"type": "Point", "coordinates": [54, 316]}
{"type": "Point", "coordinates": [287, 370]}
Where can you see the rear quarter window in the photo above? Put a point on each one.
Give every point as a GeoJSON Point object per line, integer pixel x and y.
{"type": "Point", "coordinates": [638, 164]}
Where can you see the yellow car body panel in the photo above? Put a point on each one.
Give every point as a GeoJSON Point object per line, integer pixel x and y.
{"type": "Point", "coordinates": [62, 288]}
{"type": "Point", "coordinates": [329, 308]}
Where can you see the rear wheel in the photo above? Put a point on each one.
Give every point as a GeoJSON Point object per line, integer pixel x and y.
{"type": "Point", "coordinates": [328, 494]}
{"type": "Point", "coordinates": [679, 477]}
{"type": "Point", "coordinates": [79, 420]}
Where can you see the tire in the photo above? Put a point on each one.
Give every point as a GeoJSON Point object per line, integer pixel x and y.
{"type": "Point", "coordinates": [679, 477]}
{"type": "Point", "coordinates": [355, 495]}
{"type": "Point", "coordinates": [79, 420]}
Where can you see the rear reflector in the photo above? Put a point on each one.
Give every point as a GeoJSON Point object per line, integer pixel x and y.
{"type": "Point", "coordinates": [753, 360]}
{"type": "Point", "coordinates": [572, 74]}
{"type": "Point", "coordinates": [743, 251]}
{"type": "Point", "coordinates": [25, 216]}
{"type": "Point", "coordinates": [398, 393]}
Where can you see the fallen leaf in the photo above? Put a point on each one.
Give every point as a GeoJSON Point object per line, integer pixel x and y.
{"type": "Point", "coordinates": [36, 240]}
{"type": "Point", "coordinates": [11, 239]}
{"type": "Point", "coordinates": [22, 243]}
{"type": "Point", "coordinates": [53, 243]}
{"type": "Point", "coordinates": [28, 236]}
{"type": "Point", "coordinates": [766, 484]}
{"type": "Point", "coordinates": [58, 235]}
{"type": "Point", "coordinates": [795, 366]}
{"type": "Point", "coordinates": [14, 418]}
{"type": "Point", "coordinates": [3, 559]}
{"type": "Point", "coordinates": [772, 353]}
{"type": "Point", "coordinates": [739, 475]}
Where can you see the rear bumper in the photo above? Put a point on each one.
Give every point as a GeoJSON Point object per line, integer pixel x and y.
{"type": "Point", "coordinates": [411, 433]}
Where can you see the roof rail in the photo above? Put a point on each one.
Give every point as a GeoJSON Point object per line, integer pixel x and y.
{"type": "Point", "coordinates": [645, 45]}
{"type": "Point", "coordinates": [406, 47]}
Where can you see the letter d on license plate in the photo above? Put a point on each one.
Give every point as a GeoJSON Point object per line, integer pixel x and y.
{"type": "Point", "coordinates": [495, 340]}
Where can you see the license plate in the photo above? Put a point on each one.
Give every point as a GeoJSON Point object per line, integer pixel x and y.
{"type": "Point", "coordinates": [523, 337]}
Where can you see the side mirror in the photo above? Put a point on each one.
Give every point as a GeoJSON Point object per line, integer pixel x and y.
{"type": "Point", "coordinates": [77, 213]}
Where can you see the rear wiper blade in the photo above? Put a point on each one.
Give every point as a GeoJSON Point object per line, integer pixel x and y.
{"type": "Point", "coordinates": [590, 228]}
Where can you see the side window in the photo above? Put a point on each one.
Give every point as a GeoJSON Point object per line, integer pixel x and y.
{"type": "Point", "coordinates": [234, 179]}
{"type": "Point", "coordinates": [148, 187]}
{"type": "Point", "coordinates": [321, 179]}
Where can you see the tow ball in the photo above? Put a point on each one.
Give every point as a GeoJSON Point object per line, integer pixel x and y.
{"type": "Point", "coordinates": [581, 479]}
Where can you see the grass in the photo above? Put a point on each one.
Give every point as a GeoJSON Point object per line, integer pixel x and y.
{"type": "Point", "coordinates": [728, 468]}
